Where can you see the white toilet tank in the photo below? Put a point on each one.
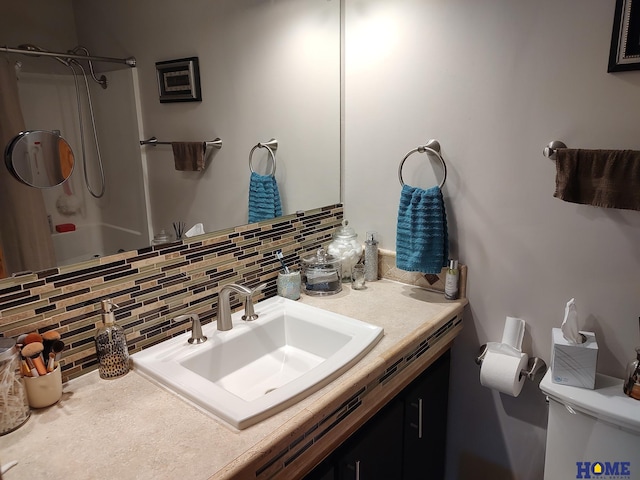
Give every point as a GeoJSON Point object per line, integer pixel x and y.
{"type": "Point", "coordinates": [591, 434]}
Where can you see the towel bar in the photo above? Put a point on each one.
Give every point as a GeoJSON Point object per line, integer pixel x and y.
{"type": "Point", "coordinates": [271, 146]}
{"type": "Point", "coordinates": [432, 146]}
{"type": "Point", "coordinates": [550, 150]}
{"type": "Point", "coordinates": [217, 143]}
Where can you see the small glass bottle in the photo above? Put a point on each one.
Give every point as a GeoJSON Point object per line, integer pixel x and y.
{"type": "Point", "coordinates": [632, 377]}
{"type": "Point", "coordinates": [451, 281]}
{"type": "Point", "coordinates": [161, 238]}
{"type": "Point", "coordinates": [371, 257]}
{"type": "Point", "coordinates": [111, 345]}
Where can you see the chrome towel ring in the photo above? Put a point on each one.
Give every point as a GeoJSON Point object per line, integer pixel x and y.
{"type": "Point", "coordinates": [271, 146]}
{"type": "Point", "coordinates": [433, 147]}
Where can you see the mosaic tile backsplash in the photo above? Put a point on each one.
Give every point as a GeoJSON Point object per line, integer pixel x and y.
{"type": "Point", "coordinates": [155, 284]}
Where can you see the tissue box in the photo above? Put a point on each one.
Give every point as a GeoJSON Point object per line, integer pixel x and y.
{"type": "Point", "coordinates": [574, 364]}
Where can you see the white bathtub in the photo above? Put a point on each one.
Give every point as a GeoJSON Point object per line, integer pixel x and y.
{"type": "Point", "coordinates": [94, 240]}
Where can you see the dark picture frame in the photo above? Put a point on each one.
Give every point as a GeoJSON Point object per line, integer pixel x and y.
{"type": "Point", "coordinates": [624, 54]}
{"type": "Point", "coordinates": [179, 80]}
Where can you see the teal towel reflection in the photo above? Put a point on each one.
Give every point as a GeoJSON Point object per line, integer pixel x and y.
{"type": "Point", "coordinates": [264, 198]}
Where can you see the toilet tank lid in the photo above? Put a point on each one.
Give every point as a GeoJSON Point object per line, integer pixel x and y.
{"type": "Point", "coordinates": [606, 402]}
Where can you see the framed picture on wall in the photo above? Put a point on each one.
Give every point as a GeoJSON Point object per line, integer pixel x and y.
{"type": "Point", "coordinates": [179, 80]}
{"type": "Point", "coordinates": [625, 39]}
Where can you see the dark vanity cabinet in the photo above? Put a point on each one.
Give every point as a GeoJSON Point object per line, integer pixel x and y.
{"type": "Point", "coordinates": [405, 440]}
{"type": "Point", "coordinates": [425, 422]}
{"type": "Point", "coordinates": [374, 451]}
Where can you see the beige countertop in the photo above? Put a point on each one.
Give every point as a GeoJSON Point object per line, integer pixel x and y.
{"type": "Point", "coordinates": [129, 428]}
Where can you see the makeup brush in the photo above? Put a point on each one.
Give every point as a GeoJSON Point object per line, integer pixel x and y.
{"type": "Point", "coordinates": [31, 367]}
{"type": "Point", "coordinates": [32, 337]}
{"type": "Point", "coordinates": [56, 348]}
{"type": "Point", "coordinates": [25, 369]}
{"type": "Point", "coordinates": [47, 341]}
{"type": "Point", "coordinates": [51, 364]}
{"type": "Point", "coordinates": [33, 351]}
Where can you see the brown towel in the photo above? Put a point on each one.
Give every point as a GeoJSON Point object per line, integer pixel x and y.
{"type": "Point", "coordinates": [603, 178]}
{"type": "Point", "coordinates": [188, 156]}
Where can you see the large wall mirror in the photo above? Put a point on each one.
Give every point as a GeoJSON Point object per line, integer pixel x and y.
{"type": "Point", "coordinates": [268, 69]}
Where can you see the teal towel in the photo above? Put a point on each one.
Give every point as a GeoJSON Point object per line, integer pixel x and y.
{"type": "Point", "coordinates": [422, 241]}
{"type": "Point", "coordinates": [264, 198]}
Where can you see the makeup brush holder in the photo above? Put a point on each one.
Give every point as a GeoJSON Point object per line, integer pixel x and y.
{"type": "Point", "coordinates": [44, 390]}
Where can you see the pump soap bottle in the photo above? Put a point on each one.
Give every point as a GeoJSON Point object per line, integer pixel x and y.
{"type": "Point", "coordinates": [451, 281]}
{"type": "Point", "coordinates": [111, 345]}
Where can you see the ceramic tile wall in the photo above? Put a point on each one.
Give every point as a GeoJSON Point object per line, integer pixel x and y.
{"type": "Point", "coordinates": [155, 284]}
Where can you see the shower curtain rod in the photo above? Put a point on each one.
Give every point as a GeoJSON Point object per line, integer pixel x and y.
{"type": "Point", "coordinates": [131, 61]}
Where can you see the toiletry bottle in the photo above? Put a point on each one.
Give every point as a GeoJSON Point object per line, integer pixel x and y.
{"type": "Point", "coordinates": [111, 345]}
{"type": "Point", "coordinates": [451, 281]}
{"type": "Point", "coordinates": [632, 377]}
{"type": "Point", "coordinates": [371, 257]}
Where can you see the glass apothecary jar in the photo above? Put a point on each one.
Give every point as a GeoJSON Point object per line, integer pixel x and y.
{"type": "Point", "coordinates": [13, 395]}
{"type": "Point", "coordinates": [632, 377]}
{"type": "Point", "coordinates": [345, 246]}
{"type": "Point", "coordinates": [321, 274]}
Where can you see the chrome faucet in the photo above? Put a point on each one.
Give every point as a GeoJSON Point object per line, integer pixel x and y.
{"type": "Point", "coordinates": [196, 327]}
{"type": "Point", "coordinates": [224, 307]}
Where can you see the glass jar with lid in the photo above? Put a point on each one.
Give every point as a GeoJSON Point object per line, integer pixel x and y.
{"type": "Point", "coordinates": [631, 385]}
{"type": "Point", "coordinates": [15, 406]}
{"type": "Point", "coordinates": [321, 274]}
{"type": "Point", "coordinates": [346, 247]}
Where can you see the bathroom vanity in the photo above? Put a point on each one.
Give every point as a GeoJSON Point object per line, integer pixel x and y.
{"type": "Point", "coordinates": [132, 428]}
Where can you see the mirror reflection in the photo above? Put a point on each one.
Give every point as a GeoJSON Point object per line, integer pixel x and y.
{"type": "Point", "coordinates": [39, 158]}
{"type": "Point", "coordinates": [267, 70]}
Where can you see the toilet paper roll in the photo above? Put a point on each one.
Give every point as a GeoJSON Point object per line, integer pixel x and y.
{"type": "Point", "coordinates": [513, 332]}
{"type": "Point", "coordinates": [501, 372]}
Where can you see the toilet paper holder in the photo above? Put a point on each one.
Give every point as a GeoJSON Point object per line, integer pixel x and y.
{"type": "Point", "coordinates": [535, 366]}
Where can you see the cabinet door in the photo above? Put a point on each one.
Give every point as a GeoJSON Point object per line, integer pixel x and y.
{"type": "Point", "coordinates": [324, 471]}
{"type": "Point", "coordinates": [375, 451]}
{"type": "Point", "coordinates": [425, 423]}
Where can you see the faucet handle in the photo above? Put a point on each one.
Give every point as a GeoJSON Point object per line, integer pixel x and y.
{"type": "Point", "coordinates": [196, 328]}
{"type": "Point", "coordinates": [262, 286]}
{"type": "Point", "coordinates": [249, 312]}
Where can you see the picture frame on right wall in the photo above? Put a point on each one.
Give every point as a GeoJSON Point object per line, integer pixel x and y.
{"type": "Point", "coordinates": [624, 53]}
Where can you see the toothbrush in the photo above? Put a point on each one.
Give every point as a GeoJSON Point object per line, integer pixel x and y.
{"type": "Point", "coordinates": [280, 257]}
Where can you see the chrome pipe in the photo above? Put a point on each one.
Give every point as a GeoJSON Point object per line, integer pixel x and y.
{"type": "Point", "coordinates": [130, 61]}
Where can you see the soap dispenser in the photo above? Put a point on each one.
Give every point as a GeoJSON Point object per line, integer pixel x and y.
{"type": "Point", "coordinates": [111, 344]}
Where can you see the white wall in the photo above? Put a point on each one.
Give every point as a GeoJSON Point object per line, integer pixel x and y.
{"type": "Point", "coordinates": [494, 82]}
{"type": "Point", "coordinates": [267, 69]}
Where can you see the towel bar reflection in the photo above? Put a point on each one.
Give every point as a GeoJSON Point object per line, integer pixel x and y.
{"type": "Point", "coordinates": [550, 150]}
{"type": "Point", "coordinates": [217, 143]}
{"type": "Point", "coordinates": [433, 147]}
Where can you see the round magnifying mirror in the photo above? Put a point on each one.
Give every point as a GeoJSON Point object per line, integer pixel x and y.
{"type": "Point", "coordinates": [39, 158]}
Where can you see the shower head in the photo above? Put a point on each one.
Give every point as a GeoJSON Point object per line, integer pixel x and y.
{"type": "Point", "coordinates": [31, 47]}
{"type": "Point", "coordinates": [34, 48]}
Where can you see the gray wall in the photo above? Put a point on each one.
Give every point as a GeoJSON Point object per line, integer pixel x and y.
{"type": "Point", "coordinates": [494, 82]}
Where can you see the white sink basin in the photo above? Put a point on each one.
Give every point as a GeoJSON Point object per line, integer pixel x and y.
{"type": "Point", "coordinates": [258, 368]}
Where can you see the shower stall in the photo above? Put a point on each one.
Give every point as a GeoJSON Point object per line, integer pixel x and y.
{"type": "Point", "coordinates": [100, 209]}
